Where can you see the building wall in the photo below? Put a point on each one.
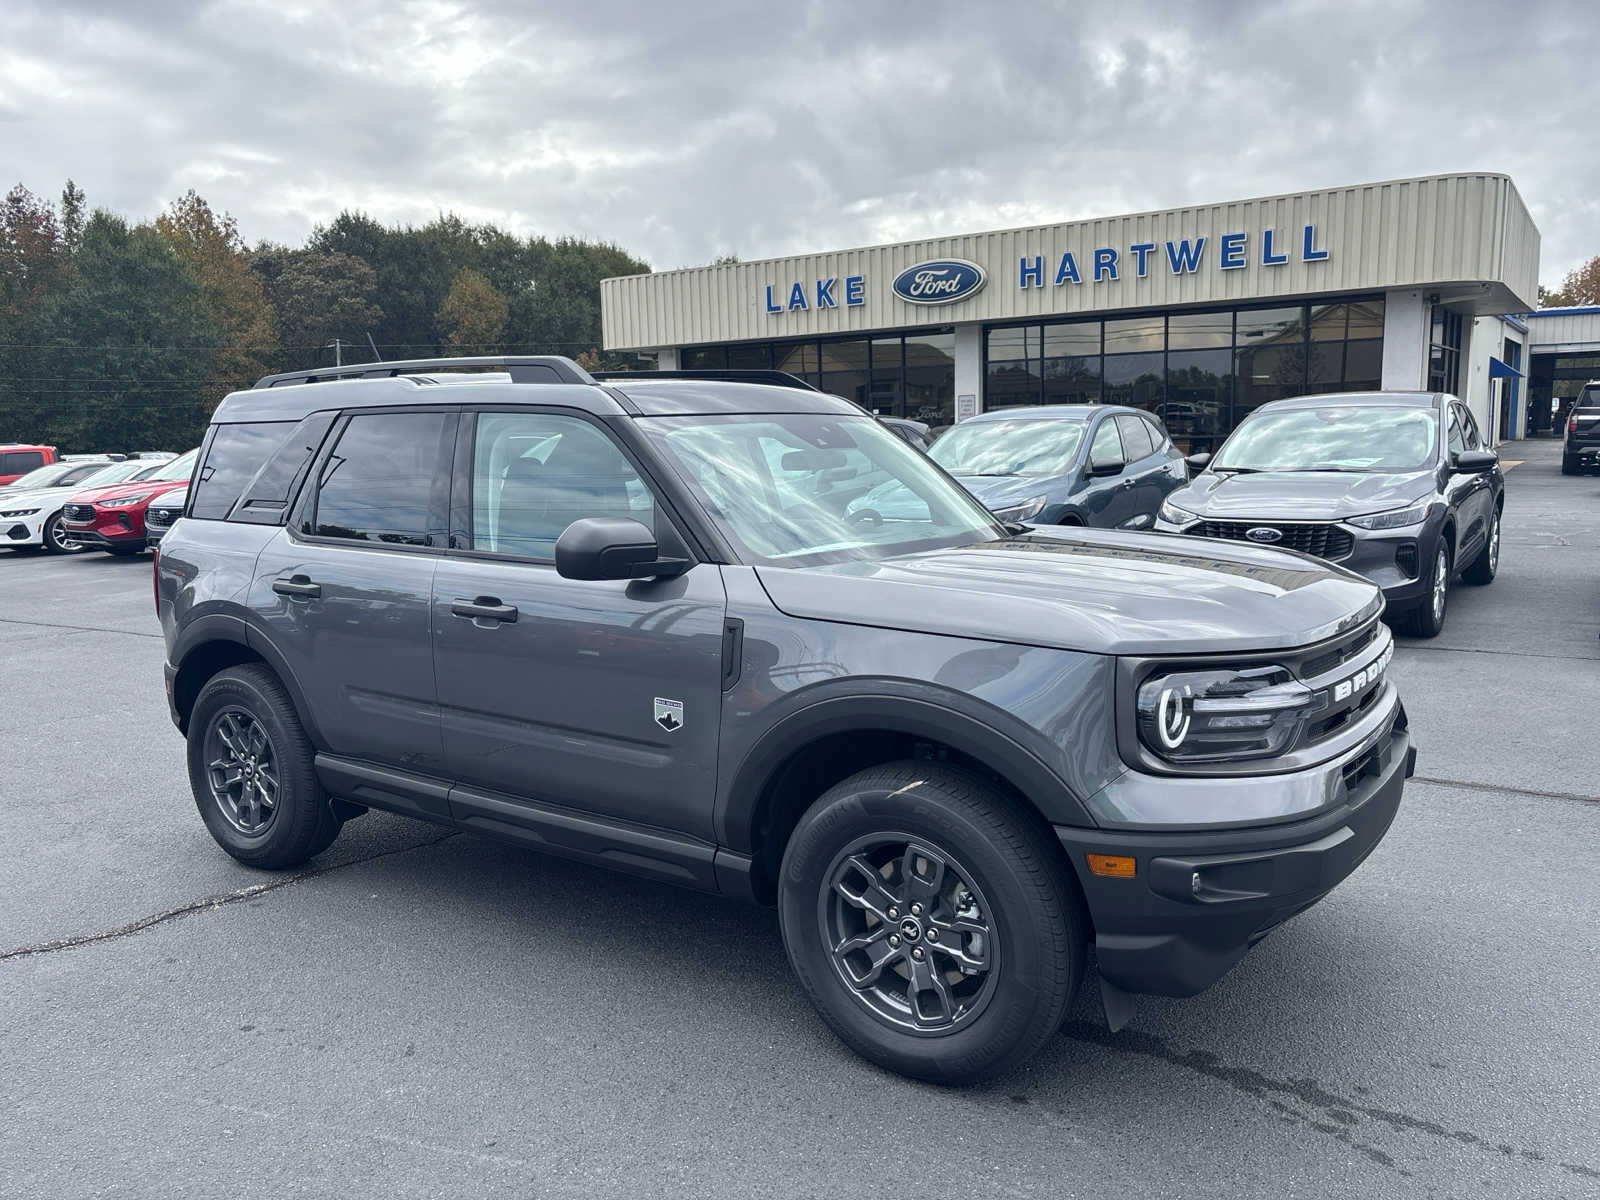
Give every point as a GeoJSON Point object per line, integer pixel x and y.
{"type": "Point", "coordinates": [1467, 238]}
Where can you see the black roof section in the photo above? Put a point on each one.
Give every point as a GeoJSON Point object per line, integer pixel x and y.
{"type": "Point", "coordinates": [777, 378]}
{"type": "Point", "coordinates": [524, 368]}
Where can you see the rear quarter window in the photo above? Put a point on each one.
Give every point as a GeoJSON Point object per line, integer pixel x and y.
{"type": "Point", "coordinates": [236, 453]}
{"type": "Point", "coordinates": [20, 462]}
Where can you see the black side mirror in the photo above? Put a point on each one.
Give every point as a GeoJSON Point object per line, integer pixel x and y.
{"type": "Point", "coordinates": [1198, 460]}
{"type": "Point", "coordinates": [1099, 467]}
{"type": "Point", "coordinates": [612, 548]}
{"type": "Point", "coordinates": [1475, 462]}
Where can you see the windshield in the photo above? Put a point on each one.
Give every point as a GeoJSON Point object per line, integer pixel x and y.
{"type": "Point", "coordinates": [44, 476]}
{"type": "Point", "coordinates": [781, 487]}
{"type": "Point", "coordinates": [178, 468]}
{"type": "Point", "coordinates": [113, 473]}
{"type": "Point", "coordinates": [1023, 447]}
{"type": "Point", "coordinates": [1353, 438]}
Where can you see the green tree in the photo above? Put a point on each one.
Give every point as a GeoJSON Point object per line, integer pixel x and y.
{"type": "Point", "coordinates": [33, 256]}
{"type": "Point", "coordinates": [230, 294]}
{"type": "Point", "coordinates": [126, 353]}
{"type": "Point", "coordinates": [316, 297]}
{"type": "Point", "coordinates": [72, 216]}
{"type": "Point", "coordinates": [473, 315]}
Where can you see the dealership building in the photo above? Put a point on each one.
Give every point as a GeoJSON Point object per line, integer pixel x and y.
{"type": "Point", "coordinates": [1197, 314]}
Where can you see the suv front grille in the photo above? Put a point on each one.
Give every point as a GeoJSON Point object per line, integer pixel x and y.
{"type": "Point", "coordinates": [1324, 663]}
{"type": "Point", "coordinates": [78, 512]}
{"type": "Point", "coordinates": [1321, 541]}
{"type": "Point", "coordinates": [160, 517]}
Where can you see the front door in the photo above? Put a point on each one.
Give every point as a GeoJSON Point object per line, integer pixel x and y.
{"type": "Point", "coordinates": [344, 589]}
{"type": "Point", "coordinates": [601, 696]}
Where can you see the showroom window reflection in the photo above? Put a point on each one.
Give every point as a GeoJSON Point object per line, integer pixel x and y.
{"type": "Point", "coordinates": [1200, 372]}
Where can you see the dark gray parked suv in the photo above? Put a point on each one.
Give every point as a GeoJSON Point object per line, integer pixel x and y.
{"type": "Point", "coordinates": [1395, 485]}
{"type": "Point", "coordinates": [634, 624]}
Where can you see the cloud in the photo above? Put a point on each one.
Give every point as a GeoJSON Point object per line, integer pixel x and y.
{"type": "Point", "coordinates": [686, 131]}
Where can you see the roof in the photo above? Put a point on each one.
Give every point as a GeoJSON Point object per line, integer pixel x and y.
{"type": "Point", "coordinates": [1048, 412]}
{"type": "Point", "coordinates": [1579, 310]}
{"type": "Point", "coordinates": [1396, 399]}
{"type": "Point", "coordinates": [681, 397]}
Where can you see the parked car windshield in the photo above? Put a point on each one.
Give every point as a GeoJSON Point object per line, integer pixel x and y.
{"type": "Point", "coordinates": [43, 476]}
{"type": "Point", "coordinates": [1354, 438]}
{"type": "Point", "coordinates": [1024, 447]}
{"type": "Point", "coordinates": [780, 487]}
{"type": "Point", "coordinates": [178, 468]}
{"type": "Point", "coordinates": [114, 473]}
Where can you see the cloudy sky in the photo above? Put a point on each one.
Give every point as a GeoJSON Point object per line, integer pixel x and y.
{"type": "Point", "coordinates": [684, 129]}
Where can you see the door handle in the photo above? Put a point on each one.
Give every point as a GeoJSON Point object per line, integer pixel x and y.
{"type": "Point", "coordinates": [297, 585]}
{"type": "Point", "coordinates": [484, 608]}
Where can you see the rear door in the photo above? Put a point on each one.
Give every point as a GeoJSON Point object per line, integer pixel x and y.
{"type": "Point", "coordinates": [603, 696]}
{"type": "Point", "coordinates": [1107, 499]}
{"type": "Point", "coordinates": [343, 589]}
{"type": "Point", "coordinates": [1144, 469]}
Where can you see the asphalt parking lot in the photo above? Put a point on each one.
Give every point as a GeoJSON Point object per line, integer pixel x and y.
{"type": "Point", "coordinates": [429, 1014]}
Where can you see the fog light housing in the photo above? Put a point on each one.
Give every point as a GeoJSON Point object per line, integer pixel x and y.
{"type": "Point", "coordinates": [1405, 557]}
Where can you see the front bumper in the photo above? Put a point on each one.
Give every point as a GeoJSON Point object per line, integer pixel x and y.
{"type": "Point", "coordinates": [1199, 900]}
{"type": "Point", "coordinates": [108, 528]}
{"type": "Point", "coordinates": [24, 531]}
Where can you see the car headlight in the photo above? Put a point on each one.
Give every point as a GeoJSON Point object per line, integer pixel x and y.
{"type": "Point", "coordinates": [1219, 714]}
{"type": "Point", "coordinates": [1173, 515]}
{"type": "Point", "coordinates": [1021, 512]}
{"type": "Point", "coordinates": [124, 501]}
{"type": "Point", "coordinates": [1395, 518]}
{"type": "Point", "coordinates": [19, 512]}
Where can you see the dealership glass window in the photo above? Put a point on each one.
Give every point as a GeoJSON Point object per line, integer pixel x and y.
{"type": "Point", "coordinates": [1135, 333]}
{"type": "Point", "coordinates": [885, 395]}
{"type": "Point", "coordinates": [930, 388]}
{"type": "Point", "coordinates": [754, 357]}
{"type": "Point", "coordinates": [710, 358]}
{"type": "Point", "coordinates": [1013, 371]}
{"type": "Point", "coordinates": [1137, 380]}
{"type": "Point", "coordinates": [1071, 380]}
{"type": "Point", "coordinates": [1075, 339]}
{"type": "Point", "coordinates": [1444, 351]}
{"type": "Point", "coordinates": [1197, 410]}
{"type": "Point", "coordinates": [797, 358]}
{"type": "Point", "coordinates": [1199, 331]}
{"type": "Point", "coordinates": [844, 370]}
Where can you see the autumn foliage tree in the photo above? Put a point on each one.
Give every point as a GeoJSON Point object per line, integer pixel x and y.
{"type": "Point", "coordinates": [473, 315]}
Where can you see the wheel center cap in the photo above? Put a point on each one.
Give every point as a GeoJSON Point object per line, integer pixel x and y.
{"type": "Point", "coordinates": [911, 929]}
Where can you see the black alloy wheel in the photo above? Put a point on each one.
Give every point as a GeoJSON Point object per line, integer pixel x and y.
{"type": "Point", "coordinates": [907, 930]}
{"type": "Point", "coordinates": [932, 920]}
{"type": "Point", "coordinates": [240, 770]}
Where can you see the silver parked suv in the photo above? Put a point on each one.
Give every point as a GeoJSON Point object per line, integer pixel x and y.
{"type": "Point", "coordinates": [639, 624]}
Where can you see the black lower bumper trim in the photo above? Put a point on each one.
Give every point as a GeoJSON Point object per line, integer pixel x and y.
{"type": "Point", "coordinates": [1198, 902]}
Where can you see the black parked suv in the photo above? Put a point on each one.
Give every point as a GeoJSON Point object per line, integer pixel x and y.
{"type": "Point", "coordinates": [1396, 485]}
{"type": "Point", "coordinates": [635, 624]}
{"type": "Point", "coordinates": [1581, 450]}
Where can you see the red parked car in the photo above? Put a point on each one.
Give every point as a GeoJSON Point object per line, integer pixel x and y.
{"type": "Point", "coordinates": [18, 458]}
{"type": "Point", "coordinates": [112, 519]}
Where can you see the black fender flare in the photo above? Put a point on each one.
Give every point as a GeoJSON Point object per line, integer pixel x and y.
{"type": "Point", "coordinates": [214, 627]}
{"type": "Point", "coordinates": [985, 734]}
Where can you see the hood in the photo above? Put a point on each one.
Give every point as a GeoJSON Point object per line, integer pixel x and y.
{"type": "Point", "coordinates": [22, 497]}
{"type": "Point", "coordinates": [173, 499]}
{"type": "Point", "coordinates": [1100, 591]}
{"type": "Point", "coordinates": [1004, 491]}
{"type": "Point", "coordinates": [1300, 495]}
{"type": "Point", "coordinates": [115, 491]}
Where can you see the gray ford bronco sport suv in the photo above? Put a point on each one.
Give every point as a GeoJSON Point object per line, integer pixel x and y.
{"type": "Point", "coordinates": [639, 623]}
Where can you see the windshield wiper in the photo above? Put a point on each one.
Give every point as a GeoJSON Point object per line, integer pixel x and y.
{"type": "Point", "coordinates": [1239, 470]}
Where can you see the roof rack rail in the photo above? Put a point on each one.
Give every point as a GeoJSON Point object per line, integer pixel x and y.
{"type": "Point", "coordinates": [524, 368]}
{"type": "Point", "coordinates": [776, 378]}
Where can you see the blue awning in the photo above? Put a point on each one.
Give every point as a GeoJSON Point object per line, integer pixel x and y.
{"type": "Point", "coordinates": [1500, 370]}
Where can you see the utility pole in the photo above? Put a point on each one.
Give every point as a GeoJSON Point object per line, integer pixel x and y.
{"type": "Point", "coordinates": [338, 357]}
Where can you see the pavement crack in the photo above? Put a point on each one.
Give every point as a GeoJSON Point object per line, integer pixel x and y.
{"type": "Point", "coordinates": [1409, 645]}
{"type": "Point", "coordinates": [206, 903]}
{"type": "Point", "coordinates": [1331, 1113]}
{"type": "Point", "coordinates": [1501, 788]}
{"type": "Point", "coordinates": [77, 628]}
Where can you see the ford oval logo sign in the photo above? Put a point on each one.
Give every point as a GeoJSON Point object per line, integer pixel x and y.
{"type": "Point", "coordinates": [942, 281]}
{"type": "Point", "coordinates": [1264, 533]}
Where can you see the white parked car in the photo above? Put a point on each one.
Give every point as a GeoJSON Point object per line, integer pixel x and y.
{"type": "Point", "coordinates": [30, 509]}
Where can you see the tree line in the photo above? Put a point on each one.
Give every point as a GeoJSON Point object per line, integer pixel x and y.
{"type": "Point", "coordinates": [119, 335]}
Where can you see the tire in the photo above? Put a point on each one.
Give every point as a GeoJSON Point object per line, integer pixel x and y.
{"type": "Point", "coordinates": [993, 885]}
{"type": "Point", "coordinates": [1569, 465]}
{"type": "Point", "coordinates": [55, 538]}
{"type": "Point", "coordinates": [1427, 619]}
{"type": "Point", "coordinates": [1483, 568]}
{"type": "Point", "coordinates": [261, 725]}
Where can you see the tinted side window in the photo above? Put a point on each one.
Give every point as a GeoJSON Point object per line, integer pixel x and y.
{"type": "Point", "coordinates": [20, 462]}
{"type": "Point", "coordinates": [236, 453]}
{"type": "Point", "coordinates": [376, 485]}
{"type": "Point", "coordinates": [1458, 437]}
{"type": "Point", "coordinates": [1158, 433]}
{"type": "Point", "coordinates": [266, 499]}
{"type": "Point", "coordinates": [1135, 437]}
{"type": "Point", "coordinates": [1106, 443]}
{"type": "Point", "coordinates": [1474, 442]}
{"type": "Point", "coordinates": [533, 474]}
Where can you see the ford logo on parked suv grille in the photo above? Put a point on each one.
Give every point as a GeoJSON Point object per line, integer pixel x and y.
{"type": "Point", "coordinates": [942, 281]}
{"type": "Point", "coordinates": [1264, 533]}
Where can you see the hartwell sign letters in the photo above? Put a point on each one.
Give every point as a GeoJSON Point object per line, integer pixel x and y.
{"type": "Point", "coordinates": [948, 280]}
